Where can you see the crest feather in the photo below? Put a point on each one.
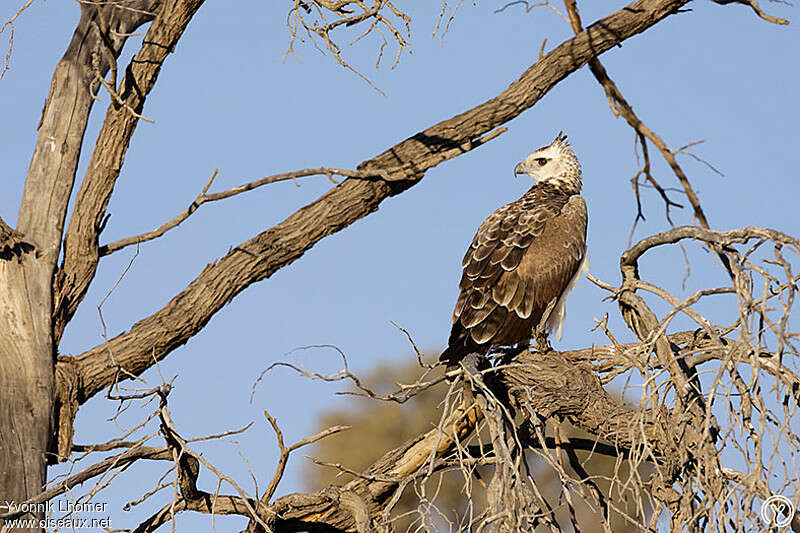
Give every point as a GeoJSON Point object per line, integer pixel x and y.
{"type": "Point", "coordinates": [561, 138]}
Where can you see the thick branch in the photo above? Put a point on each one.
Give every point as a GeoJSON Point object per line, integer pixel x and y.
{"type": "Point", "coordinates": [552, 385]}
{"type": "Point", "coordinates": [51, 175]}
{"type": "Point", "coordinates": [154, 337]}
{"type": "Point", "coordinates": [80, 243]}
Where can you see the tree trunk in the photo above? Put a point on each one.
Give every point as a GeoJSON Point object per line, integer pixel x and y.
{"type": "Point", "coordinates": [26, 374]}
{"type": "Point", "coordinates": [28, 256]}
{"type": "Point", "coordinates": [26, 341]}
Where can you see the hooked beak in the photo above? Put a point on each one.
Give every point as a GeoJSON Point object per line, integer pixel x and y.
{"type": "Point", "coordinates": [519, 169]}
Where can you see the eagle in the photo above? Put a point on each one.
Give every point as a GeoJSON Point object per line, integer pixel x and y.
{"type": "Point", "coordinates": [524, 259]}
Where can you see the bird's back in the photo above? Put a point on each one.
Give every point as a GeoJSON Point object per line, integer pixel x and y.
{"type": "Point", "coordinates": [523, 255]}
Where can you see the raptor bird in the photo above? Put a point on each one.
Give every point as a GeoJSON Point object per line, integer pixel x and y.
{"type": "Point", "coordinates": [524, 259]}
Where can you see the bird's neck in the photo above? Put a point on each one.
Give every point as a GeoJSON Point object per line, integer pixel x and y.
{"type": "Point", "coordinates": [567, 183]}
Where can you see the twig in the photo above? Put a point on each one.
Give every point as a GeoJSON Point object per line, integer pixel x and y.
{"type": "Point", "coordinates": [400, 173]}
{"type": "Point", "coordinates": [285, 451]}
{"type": "Point", "coordinates": [204, 197]}
{"type": "Point", "coordinates": [757, 8]}
{"type": "Point", "coordinates": [413, 345]}
{"type": "Point", "coordinates": [120, 102]}
{"type": "Point", "coordinates": [310, 16]}
{"type": "Point", "coordinates": [10, 24]}
{"type": "Point", "coordinates": [122, 460]}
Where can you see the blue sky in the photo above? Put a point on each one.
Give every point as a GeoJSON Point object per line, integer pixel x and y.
{"type": "Point", "coordinates": [226, 99]}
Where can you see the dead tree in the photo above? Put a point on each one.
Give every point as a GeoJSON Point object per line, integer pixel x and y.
{"type": "Point", "coordinates": [677, 428]}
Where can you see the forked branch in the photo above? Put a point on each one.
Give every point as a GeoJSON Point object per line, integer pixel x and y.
{"type": "Point", "coordinates": [81, 240]}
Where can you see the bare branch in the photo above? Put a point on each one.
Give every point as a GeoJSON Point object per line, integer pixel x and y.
{"type": "Point", "coordinates": [724, 238]}
{"type": "Point", "coordinates": [619, 105]}
{"type": "Point", "coordinates": [80, 243]}
{"type": "Point", "coordinates": [351, 200]}
{"type": "Point", "coordinates": [204, 197]}
{"type": "Point", "coordinates": [285, 451]}
{"type": "Point", "coordinates": [117, 461]}
{"type": "Point", "coordinates": [55, 159]}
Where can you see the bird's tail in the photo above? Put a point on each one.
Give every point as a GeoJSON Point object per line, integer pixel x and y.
{"type": "Point", "coordinates": [452, 354]}
{"type": "Point", "coordinates": [460, 346]}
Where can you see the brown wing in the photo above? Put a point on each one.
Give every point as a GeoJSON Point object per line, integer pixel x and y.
{"type": "Point", "coordinates": [555, 256]}
{"type": "Point", "coordinates": [522, 256]}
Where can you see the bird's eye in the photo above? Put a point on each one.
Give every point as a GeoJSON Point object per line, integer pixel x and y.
{"type": "Point", "coordinates": [541, 161]}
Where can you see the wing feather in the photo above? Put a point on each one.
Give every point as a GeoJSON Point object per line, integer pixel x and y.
{"type": "Point", "coordinates": [505, 289]}
{"type": "Point", "coordinates": [512, 258]}
{"type": "Point", "coordinates": [472, 316]}
{"type": "Point", "coordinates": [460, 303]}
{"type": "Point", "coordinates": [525, 307]}
{"type": "Point", "coordinates": [480, 299]}
{"type": "Point", "coordinates": [475, 267]}
{"type": "Point", "coordinates": [487, 329]}
{"type": "Point", "coordinates": [500, 253]}
{"type": "Point", "coordinates": [516, 301]}
{"type": "Point", "coordinates": [522, 256]}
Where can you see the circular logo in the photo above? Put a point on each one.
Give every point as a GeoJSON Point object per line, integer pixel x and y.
{"type": "Point", "coordinates": [777, 511]}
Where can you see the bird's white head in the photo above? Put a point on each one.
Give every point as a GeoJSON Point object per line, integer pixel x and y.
{"type": "Point", "coordinates": [555, 163]}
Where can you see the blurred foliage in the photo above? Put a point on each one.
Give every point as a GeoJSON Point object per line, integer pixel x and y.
{"type": "Point", "coordinates": [379, 426]}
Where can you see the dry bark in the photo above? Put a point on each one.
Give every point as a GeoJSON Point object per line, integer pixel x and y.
{"type": "Point", "coordinates": [11, 241]}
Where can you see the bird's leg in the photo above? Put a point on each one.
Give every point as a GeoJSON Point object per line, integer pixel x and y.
{"type": "Point", "coordinates": [540, 331]}
{"type": "Point", "coordinates": [542, 343]}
